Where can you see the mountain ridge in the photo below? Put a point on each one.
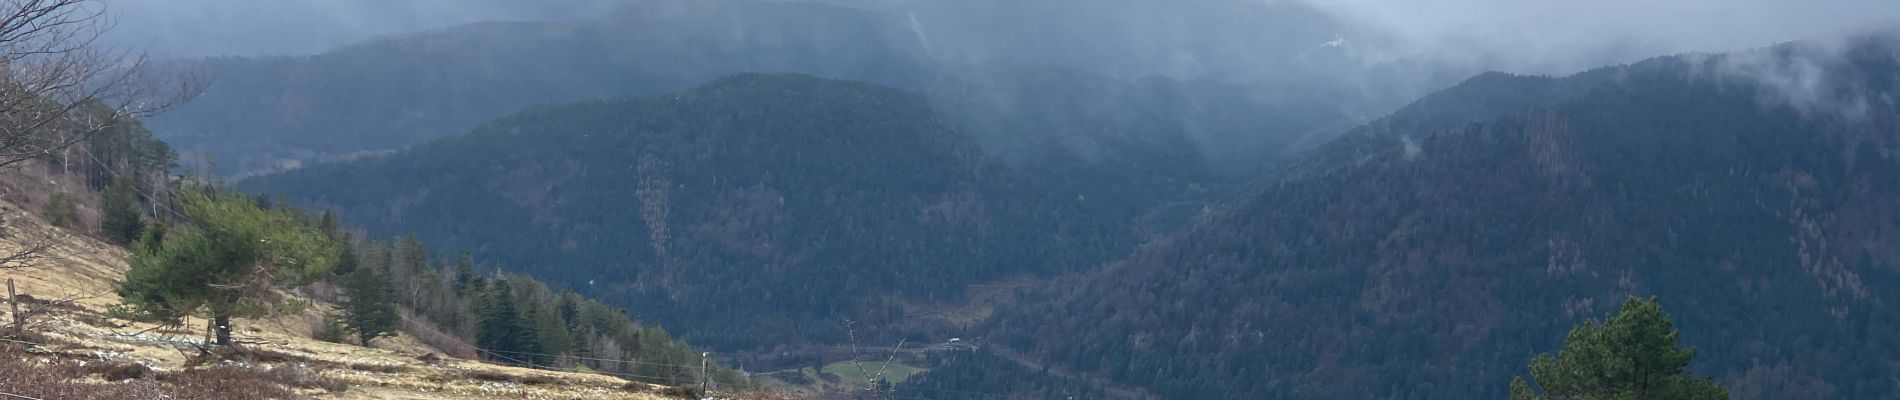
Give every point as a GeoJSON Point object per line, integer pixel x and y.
{"type": "Point", "coordinates": [1478, 235]}
{"type": "Point", "coordinates": [266, 114]}
{"type": "Point", "coordinates": [680, 204]}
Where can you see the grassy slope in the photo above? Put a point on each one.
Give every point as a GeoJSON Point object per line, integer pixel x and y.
{"type": "Point", "coordinates": [849, 373]}
{"type": "Point", "coordinates": [87, 270]}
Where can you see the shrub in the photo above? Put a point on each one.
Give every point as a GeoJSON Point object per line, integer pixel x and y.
{"type": "Point", "coordinates": [295, 375]}
{"type": "Point", "coordinates": [117, 371]}
{"type": "Point", "coordinates": [682, 391]}
{"type": "Point", "coordinates": [59, 210]}
{"type": "Point", "coordinates": [331, 331]}
{"type": "Point", "coordinates": [222, 382]}
{"type": "Point", "coordinates": [60, 380]}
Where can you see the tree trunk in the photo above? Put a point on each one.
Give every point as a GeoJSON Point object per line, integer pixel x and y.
{"type": "Point", "coordinates": [221, 323]}
{"type": "Point", "coordinates": [221, 318]}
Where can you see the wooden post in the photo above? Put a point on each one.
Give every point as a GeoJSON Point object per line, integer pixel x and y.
{"type": "Point", "coordinates": [704, 358]}
{"type": "Point", "coordinates": [19, 321]}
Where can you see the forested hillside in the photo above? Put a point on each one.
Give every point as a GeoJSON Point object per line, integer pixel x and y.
{"type": "Point", "coordinates": [755, 211]}
{"type": "Point", "coordinates": [267, 113]}
{"type": "Point", "coordinates": [191, 245]}
{"type": "Point", "coordinates": [1426, 257]}
{"type": "Point", "coordinates": [951, 199]}
{"type": "Point", "coordinates": [1196, 130]}
{"type": "Point", "coordinates": [408, 89]}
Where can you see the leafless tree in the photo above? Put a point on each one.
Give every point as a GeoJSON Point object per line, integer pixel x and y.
{"type": "Point", "coordinates": [873, 382]}
{"type": "Point", "coordinates": [33, 246]}
{"type": "Point", "coordinates": [59, 85]}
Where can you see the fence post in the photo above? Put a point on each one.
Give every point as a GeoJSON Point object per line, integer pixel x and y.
{"type": "Point", "coordinates": [19, 321]}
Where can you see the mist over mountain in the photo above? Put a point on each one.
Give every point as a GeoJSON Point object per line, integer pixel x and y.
{"type": "Point", "coordinates": [1415, 255]}
{"type": "Point", "coordinates": [1567, 36]}
{"type": "Point", "coordinates": [210, 28]}
{"type": "Point", "coordinates": [267, 113]}
{"type": "Point", "coordinates": [405, 90]}
{"type": "Point", "coordinates": [1186, 199]}
{"type": "Point", "coordinates": [744, 200]}
{"type": "Point", "coordinates": [1420, 255]}
{"type": "Point", "coordinates": [1351, 61]}
{"type": "Point", "coordinates": [1182, 39]}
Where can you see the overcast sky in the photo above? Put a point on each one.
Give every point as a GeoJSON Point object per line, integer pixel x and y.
{"type": "Point", "coordinates": [195, 28]}
{"type": "Point", "coordinates": [1537, 36]}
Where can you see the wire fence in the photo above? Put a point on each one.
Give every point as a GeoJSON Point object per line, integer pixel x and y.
{"type": "Point", "coordinates": [17, 396]}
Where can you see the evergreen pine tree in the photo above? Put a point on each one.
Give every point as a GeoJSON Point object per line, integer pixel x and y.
{"type": "Point", "coordinates": [1633, 354]}
{"type": "Point", "coordinates": [501, 329]}
{"type": "Point", "coordinates": [151, 237]}
{"type": "Point", "coordinates": [332, 330]}
{"type": "Point", "coordinates": [530, 340]}
{"type": "Point", "coordinates": [370, 310]}
{"type": "Point", "coordinates": [329, 226]}
{"type": "Point", "coordinates": [551, 334]}
{"type": "Point", "coordinates": [346, 261]}
{"type": "Point", "coordinates": [570, 309]}
{"type": "Point", "coordinates": [217, 265]}
{"type": "Point", "coordinates": [121, 222]}
{"type": "Point", "coordinates": [59, 210]}
{"type": "Point", "coordinates": [414, 255]}
{"type": "Point", "coordinates": [465, 278]}
{"type": "Point", "coordinates": [198, 268]}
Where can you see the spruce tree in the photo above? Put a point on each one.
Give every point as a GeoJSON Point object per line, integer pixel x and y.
{"type": "Point", "coordinates": [570, 309]}
{"type": "Point", "coordinates": [120, 205]}
{"type": "Point", "coordinates": [329, 226]}
{"type": "Point", "coordinates": [152, 234]}
{"type": "Point", "coordinates": [465, 278]}
{"type": "Point", "coordinates": [497, 321]}
{"type": "Point", "coordinates": [551, 334]}
{"type": "Point", "coordinates": [346, 261]}
{"type": "Point", "coordinates": [414, 256]}
{"type": "Point", "coordinates": [59, 210]}
{"type": "Point", "coordinates": [501, 328]}
{"type": "Point", "coordinates": [332, 330]}
{"type": "Point", "coordinates": [370, 310]}
{"type": "Point", "coordinates": [1633, 354]}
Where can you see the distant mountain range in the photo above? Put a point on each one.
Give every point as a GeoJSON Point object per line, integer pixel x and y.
{"type": "Point", "coordinates": [270, 113]}
{"type": "Point", "coordinates": [1424, 255]}
{"type": "Point", "coordinates": [754, 211]}
{"type": "Point", "coordinates": [1429, 254]}
{"type": "Point", "coordinates": [1186, 236]}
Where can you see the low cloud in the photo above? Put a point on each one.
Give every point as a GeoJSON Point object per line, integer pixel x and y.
{"type": "Point", "coordinates": [1824, 75]}
{"type": "Point", "coordinates": [196, 28]}
{"type": "Point", "coordinates": [1564, 36]}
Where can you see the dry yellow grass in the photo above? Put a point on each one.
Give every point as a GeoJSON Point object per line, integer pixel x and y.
{"type": "Point", "coordinates": [86, 271]}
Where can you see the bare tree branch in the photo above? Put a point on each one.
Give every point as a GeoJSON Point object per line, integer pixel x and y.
{"type": "Point", "coordinates": [871, 380]}
{"type": "Point", "coordinates": [46, 306]}
{"type": "Point", "coordinates": [33, 245]}
{"type": "Point", "coordinates": [27, 257]}
{"type": "Point", "coordinates": [59, 86]}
